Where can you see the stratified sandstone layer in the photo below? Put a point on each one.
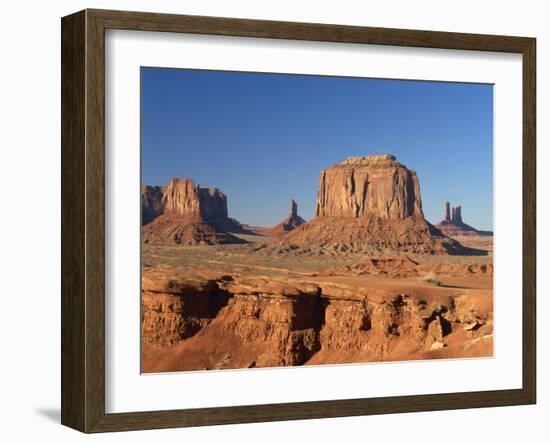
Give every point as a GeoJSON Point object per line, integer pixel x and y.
{"type": "Point", "coordinates": [183, 213]}
{"type": "Point", "coordinates": [183, 197]}
{"type": "Point", "coordinates": [368, 204]}
{"type": "Point", "coordinates": [197, 321]}
{"type": "Point", "coordinates": [375, 185]}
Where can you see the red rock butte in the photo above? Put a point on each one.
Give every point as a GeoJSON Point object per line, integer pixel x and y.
{"type": "Point", "coordinates": [184, 213]}
{"type": "Point", "coordinates": [369, 204]}
{"type": "Point", "coordinates": [374, 185]}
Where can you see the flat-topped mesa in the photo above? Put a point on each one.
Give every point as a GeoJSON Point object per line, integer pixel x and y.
{"type": "Point", "coordinates": [183, 197]}
{"type": "Point", "coordinates": [186, 214]}
{"type": "Point", "coordinates": [371, 160]}
{"type": "Point", "coordinates": [375, 185]}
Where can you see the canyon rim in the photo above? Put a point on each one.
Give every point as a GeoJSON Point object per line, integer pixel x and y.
{"type": "Point", "coordinates": [299, 253]}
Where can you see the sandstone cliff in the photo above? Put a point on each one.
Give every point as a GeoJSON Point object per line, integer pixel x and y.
{"type": "Point", "coordinates": [151, 203]}
{"type": "Point", "coordinates": [197, 322]}
{"type": "Point", "coordinates": [374, 185]}
{"type": "Point", "coordinates": [184, 213]}
{"type": "Point", "coordinates": [183, 197]}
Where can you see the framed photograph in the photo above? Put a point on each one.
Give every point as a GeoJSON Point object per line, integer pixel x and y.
{"type": "Point", "coordinates": [267, 221]}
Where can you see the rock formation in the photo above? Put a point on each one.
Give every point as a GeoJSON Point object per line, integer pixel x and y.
{"type": "Point", "coordinates": [184, 213]}
{"type": "Point", "coordinates": [368, 204]}
{"type": "Point", "coordinates": [453, 226]}
{"type": "Point", "coordinates": [456, 216]}
{"type": "Point", "coordinates": [184, 198]}
{"type": "Point", "coordinates": [376, 185]}
{"type": "Point", "coordinates": [447, 211]}
{"type": "Point", "coordinates": [292, 221]}
{"type": "Point", "coordinates": [197, 322]}
{"type": "Point", "coordinates": [151, 202]}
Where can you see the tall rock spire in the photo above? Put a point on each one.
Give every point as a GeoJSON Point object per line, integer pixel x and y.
{"type": "Point", "coordinates": [458, 214]}
{"type": "Point", "coordinates": [447, 211]}
{"type": "Point", "coordinates": [293, 212]}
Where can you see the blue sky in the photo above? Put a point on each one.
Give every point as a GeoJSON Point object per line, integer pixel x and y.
{"type": "Point", "coordinates": [264, 138]}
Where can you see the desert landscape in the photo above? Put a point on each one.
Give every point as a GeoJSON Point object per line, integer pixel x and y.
{"type": "Point", "coordinates": [367, 279]}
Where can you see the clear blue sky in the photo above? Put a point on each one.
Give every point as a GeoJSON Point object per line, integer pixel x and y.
{"type": "Point", "coordinates": [264, 138]}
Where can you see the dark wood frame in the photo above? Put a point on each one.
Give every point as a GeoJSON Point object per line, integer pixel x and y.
{"type": "Point", "coordinates": [83, 220]}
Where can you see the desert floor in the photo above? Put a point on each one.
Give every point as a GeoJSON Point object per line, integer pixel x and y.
{"type": "Point", "coordinates": [232, 306]}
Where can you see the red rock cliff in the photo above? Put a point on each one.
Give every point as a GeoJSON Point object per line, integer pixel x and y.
{"type": "Point", "coordinates": [375, 185]}
{"type": "Point", "coordinates": [186, 214]}
{"type": "Point", "coordinates": [151, 202]}
{"type": "Point", "coordinates": [183, 197]}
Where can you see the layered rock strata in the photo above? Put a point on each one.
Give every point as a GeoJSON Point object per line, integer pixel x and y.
{"type": "Point", "coordinates": [183, 197]}
{"type": "Point", "coordinates": [210, 322]}
{"type": "Point", "coordinates": [369, 186]}
{"type": "Point", "coordinates": [183, 213]}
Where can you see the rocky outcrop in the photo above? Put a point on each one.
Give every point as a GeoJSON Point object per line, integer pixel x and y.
{"type": "Point", "coordinates": [183, 197]}
{"type": "Point", "coordinates": [151, 203]}
{"type": "Point", "coordinates": [368, 205]}
{"type": "Point", "coordinates": [369, 186]}
{"type": "Point", "coordinates": [453, 226]}
{"type": "Point", "coordinates": [183, 213]}
{"type": "Point", "coordinates": [180, 230]}
{"type": "Point", "coordinates": [178, 310]}
{"type": "Point", "coordinates": [220, 321]}
{"type": "Point", "coordinates": [456, 216]}
{"type": "Point", "coordinates": [404, 267]}
{"type": "Point", "coordinates": [291, 222]}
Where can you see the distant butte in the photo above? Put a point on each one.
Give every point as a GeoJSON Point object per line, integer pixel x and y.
{"type": "Point", "coordinates": [452, 224]}
{"type": "Point", "coordinates": [183, 213]}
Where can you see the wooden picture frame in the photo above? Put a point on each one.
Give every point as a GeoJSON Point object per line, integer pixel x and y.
{"type": "Point", "coordinates": [83, 220]}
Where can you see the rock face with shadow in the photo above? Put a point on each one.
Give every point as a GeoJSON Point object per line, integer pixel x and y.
{"type": "Point", "coordinates": [208, 320]}
{"type": "Point", "coordinates": [152, 205]}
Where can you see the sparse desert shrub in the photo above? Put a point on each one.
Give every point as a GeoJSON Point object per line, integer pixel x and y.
{"type": "Point", "coordinates": [431, 278]}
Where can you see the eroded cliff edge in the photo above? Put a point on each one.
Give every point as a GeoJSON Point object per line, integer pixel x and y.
{"type": "Point", "coordinates": [197, 321]}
